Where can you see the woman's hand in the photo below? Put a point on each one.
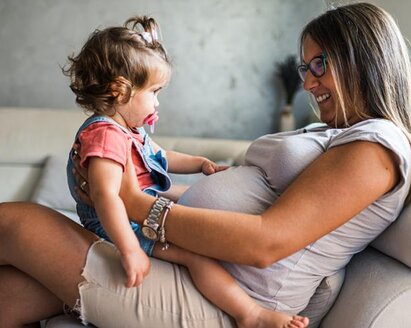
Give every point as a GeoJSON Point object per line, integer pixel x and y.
{"type": "Point", "coordinates": [81, 176]}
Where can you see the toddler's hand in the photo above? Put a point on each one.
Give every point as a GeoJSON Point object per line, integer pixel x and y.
{"type": "Point", "coordinates": [209, 167]}
{"type": "Point", "coordinates": [137, 266]}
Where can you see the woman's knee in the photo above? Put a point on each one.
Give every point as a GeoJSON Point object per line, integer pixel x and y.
{"type": "Point", "coordinates": [17, 218]}
{"type": "Point", "coordinates": [10, 223]}
{"type": "Point", "coordinates": [13, 213]}
{"type": "Point", "coordinates": [7, 214]}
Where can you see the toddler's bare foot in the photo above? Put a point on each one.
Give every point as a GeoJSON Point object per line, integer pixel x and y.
{"type": "Point", "coordinates": [260, 317]}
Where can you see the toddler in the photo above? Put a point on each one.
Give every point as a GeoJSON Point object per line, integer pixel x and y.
{"type": "Point", "coordinates": [117, 76]}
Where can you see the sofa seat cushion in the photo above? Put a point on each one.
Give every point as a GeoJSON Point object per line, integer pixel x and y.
{"type": "Point", "coordinates": [64, 321]}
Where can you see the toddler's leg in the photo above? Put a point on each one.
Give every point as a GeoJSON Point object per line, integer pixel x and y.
{"type": "Point", "coordinates": [221, 289]}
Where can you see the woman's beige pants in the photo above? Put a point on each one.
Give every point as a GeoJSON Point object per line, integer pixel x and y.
{"type": "Point", "coordinates": [166, 298]}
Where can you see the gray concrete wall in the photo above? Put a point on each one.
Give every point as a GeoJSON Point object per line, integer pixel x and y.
{"type": "Point", "coordinates": [224, 55]}
{"type": "Point", "coordinates": [399, 9]}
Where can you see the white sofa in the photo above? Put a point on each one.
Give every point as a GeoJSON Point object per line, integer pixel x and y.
{"type": "Point", "coordinates": [377, 288]}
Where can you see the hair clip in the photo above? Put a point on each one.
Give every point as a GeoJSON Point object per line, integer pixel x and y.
{"type": "Point", "coordinates": [149, 37]}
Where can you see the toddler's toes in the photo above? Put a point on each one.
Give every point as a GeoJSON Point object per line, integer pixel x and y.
{"type": "Point", "coordinates": [299, 322]}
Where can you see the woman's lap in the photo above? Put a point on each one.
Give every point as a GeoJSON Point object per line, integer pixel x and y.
{"type": "Point", "coordinates": [166, 298]}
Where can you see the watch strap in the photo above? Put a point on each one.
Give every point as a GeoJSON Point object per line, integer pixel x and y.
{"type": "Point", "coordinates": [155, 214]}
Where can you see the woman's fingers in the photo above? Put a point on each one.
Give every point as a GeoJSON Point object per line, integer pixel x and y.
{"type": "Point", "coordinates": [82, 189]}
{"type": "Point", "coordinates": [82, 171]}
{"type": "Point", "coordinates": [84, 196]}
{"type": "Point", "coordinates": [80, 175]}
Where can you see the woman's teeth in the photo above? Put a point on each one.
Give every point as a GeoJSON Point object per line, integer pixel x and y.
{"type": "Point", "coordinates": [323, 97]}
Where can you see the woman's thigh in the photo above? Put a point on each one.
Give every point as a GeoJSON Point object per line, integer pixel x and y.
{"type": "Point", "coordinates": [46, 245]}
{"type": "Point", "coordinates": [166, 298]}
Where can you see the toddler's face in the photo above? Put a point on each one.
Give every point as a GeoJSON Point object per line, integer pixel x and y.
{"type": "Point", "coordinates": [142, 105]}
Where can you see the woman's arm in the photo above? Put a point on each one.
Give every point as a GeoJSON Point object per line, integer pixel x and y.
{"type": "Point", "coordinates": [333, 189]}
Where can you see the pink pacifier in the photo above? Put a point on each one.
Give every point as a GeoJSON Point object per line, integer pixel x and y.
{"type": "Point", "coordinates": [151, 120]}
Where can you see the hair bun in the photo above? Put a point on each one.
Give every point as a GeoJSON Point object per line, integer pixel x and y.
{"type": "Point", "coordinates": [146, 26]}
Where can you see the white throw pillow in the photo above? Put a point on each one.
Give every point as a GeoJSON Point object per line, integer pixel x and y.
{"type": "Point", "coordinates": [52, 189]}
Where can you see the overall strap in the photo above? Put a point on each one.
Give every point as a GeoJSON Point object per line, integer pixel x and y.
{"type": "Point", "coordinates": [96, 118]}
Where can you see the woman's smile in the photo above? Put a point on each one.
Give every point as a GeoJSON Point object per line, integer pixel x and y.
{"type": "Point", "coordinates": [322, 98]}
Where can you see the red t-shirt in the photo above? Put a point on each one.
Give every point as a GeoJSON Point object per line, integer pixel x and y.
{"type": "Point", "coordinates": [104, 140]}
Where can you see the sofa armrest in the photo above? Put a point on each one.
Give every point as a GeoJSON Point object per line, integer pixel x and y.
{"type": "Point", "coordinates": [376, 293]}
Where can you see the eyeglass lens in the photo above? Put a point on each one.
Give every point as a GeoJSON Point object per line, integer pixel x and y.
{"type": "Point", "coordinates": [316, 67]}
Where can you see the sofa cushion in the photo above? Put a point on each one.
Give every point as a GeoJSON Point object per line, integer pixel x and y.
{"type": "Point", "coordinates": [52, 189]}
{"type": "Point", "coordinates": [18, 181]}
{"type": "Point", "coordinates": [395, 241]}
{"type": "Point", "coordinates": [323, 298]}
{"type": "Point", "coordinates": [376, 293]}
{"type": "Point", "coordinates": [64, 321]}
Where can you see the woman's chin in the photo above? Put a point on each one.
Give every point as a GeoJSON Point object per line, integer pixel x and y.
{"type": "Point", "coordinates": [327, 114]}
{"type": "Point", "coordinates": [328, 119]}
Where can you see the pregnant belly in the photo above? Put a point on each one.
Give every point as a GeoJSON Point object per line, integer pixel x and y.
{"type": "Point", "coordinates": [241, 189]}
{"type": "Point", "coordinates": [245, 189]}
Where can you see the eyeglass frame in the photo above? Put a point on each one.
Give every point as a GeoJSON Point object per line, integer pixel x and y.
{"type": "Point", "coordinates": [307, 67]}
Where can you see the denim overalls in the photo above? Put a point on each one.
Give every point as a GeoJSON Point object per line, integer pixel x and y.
{"type": "Point", "coordinates": [155, 163]}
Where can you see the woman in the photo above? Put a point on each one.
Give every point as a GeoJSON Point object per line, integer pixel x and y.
{"type": "Point", "coordinates": [323, 193]}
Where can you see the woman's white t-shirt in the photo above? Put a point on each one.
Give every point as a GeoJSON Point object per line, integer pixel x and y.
{"type": "Point", "coordinates": [272, 163]}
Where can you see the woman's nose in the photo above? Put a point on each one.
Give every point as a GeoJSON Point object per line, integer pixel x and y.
{"type": "Point", "coordinates": [311, 82]}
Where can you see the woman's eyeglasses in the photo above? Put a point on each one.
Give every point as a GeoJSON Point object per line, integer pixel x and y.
{"type": "Point", "coordinates": [317, 67]}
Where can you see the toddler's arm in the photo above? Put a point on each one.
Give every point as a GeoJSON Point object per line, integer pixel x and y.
{"type": "Point", "coordinates": [104, 181]}
{"type": "Point", "coordinates": [184, 163]}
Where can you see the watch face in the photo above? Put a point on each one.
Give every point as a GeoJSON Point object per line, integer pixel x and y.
{"type": "Point", "coordinates": [149, 233]}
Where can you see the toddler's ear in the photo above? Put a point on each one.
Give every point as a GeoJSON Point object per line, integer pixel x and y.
{"type": "Point", "coordinates": [121, 89]}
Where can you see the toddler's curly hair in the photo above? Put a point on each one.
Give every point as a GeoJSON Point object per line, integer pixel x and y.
{"type": "Point", "coordinates": [116, 60]}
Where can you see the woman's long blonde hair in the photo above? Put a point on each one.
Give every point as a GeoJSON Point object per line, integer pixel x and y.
{"type": "Point", "coordinates": [369, 61]}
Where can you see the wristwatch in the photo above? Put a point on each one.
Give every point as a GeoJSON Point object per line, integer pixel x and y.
{"type": "Point", "coordinates": [151, 225]}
